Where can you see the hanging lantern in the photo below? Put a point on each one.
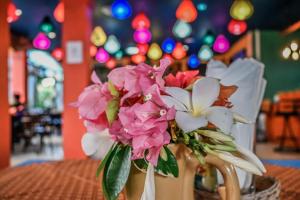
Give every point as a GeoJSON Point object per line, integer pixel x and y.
{"type": "Point", "coordinates": [168, 56]}
{"type": "Point", "coordinates": [209, 38]}
{"type": "Point", "coordinates": [59, 12]}
{"type": "Point", "coordinates": [154, 52]}
{"type": "Point", "coordinates": [140, 21]}
{"type": "Point", "coordinates": [186, 11]}
{"type": "Point", "coordinates": [179, 51]}
{"type": "Point", "coordinates": [143, 48]}
{"type": "Point", "coordinates": [221, 44]}
{"type": "Point", "coordinates": [241, 9]}
{"type": "Point", "coordinates": [205, 53]}
{"type": "Point", "coordinates": [132, 50]}
{"type": "Point", "coordinates": [138, 58]}
{"type": "Point", "coordinates": [142, 36]}
{"type": "Point", "coordinates": [93, 50]}
{"type": "Point", "coordinates": [111, 63]}
{"type": "Point", "coordinates": [168, 45]}
{"type": "Point", "coordinates": [41, 41]}
{"type": "Point", "coordinates": [58, 54]}
{"type": "Point", "coordinates": [237, 27]}
{"type": "Point", "coordinates": [202, 6]}
{"type": "Point", "coordinates": [182, 29]}
{"type": "Point", "coordinates": [121, 9]}
{"type": "Point", "coordinates": [119, 55]}
{"type": "Point", "coordinates": [98, 37]}
{"type": "Point", "coordinates": [112, 44]}
{"type": "Point", "coordinates": [13, 13]}
{"type": "Point", "coordinates": [102, 56]}
{"type": "Point", "coordinates": [193, 62]}
{"type": "Point", "coordinates": [46, 25]}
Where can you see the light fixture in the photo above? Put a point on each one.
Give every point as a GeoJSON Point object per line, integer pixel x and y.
{"type": "Point", "coordinates": [41, 41]}
{"type": "Point", "coordinates": [102, 56]}
{"type": "Point", "coordinates": [112, 44]}
{"type": "Point", "coordinates": [295, 55]}
{"type": "Point", "coordinates": [154, 52]}
{"type": "Point", "coordinates": [182, 29]}
{"type": "Point", "coordinates": [205, 53]}
{"type": "Point", "coordinates": [294, 46]}
{"type": "Point", "coordinates": [57, 54]}
{"type": "Point", "coordinates": [132, 50]}
{"type": "Point", "coordinates": [98, 36]}
{"type": "Point", "coordinates": [111, 63]}
{"type": "Point", "coordinates": [52, 35]}
{"type": "Point", "coordinates": [169, 57]}
{"type": "Point", "coordinates": [202, 6]}
{"type": "Point", "coordinates": [186, 11]}
{"type": "Point", "coordinates": [193, 62]}
{"type": "Point", "coordinates": [143, 48]}
{"type": "Point", "coordinates": [142, 36]}
{"type": "Point", "coordinates": [119, 55]}
{"type": "Point", "coordinates": [13, 13]}
{"type": "Point", "coordinates": [59, 12]}
{"type": "Point", "coordinates": [168, 45]}
{"type": "Point", "coordinates": [138, 58]}
{"type": "Point", "coordinates": [179, 51]}
{"type": "Point", "coordinates": [140, 21]}
{"type": "Point", "coordinates": [209, 38]}
{"type": "Point", "coordinates": [93, 50]}
{"type": "Point", "coordinates": [286, 52]}
{"type": "Point", "coordinates": [241, 9]}
{"type": "Point", "coordinates": [46, 25]}
{"type": "Point", "coordinates": [237, 27]}
{"type": "Point", "coordinates": [121, 9]}
{"type": "Point", "coordinates": [221, 44]}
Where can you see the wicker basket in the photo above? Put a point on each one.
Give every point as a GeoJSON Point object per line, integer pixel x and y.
{"type": "Point", "coordinates": [267, 188]}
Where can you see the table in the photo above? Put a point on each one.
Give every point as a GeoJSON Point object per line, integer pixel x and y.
{"type": "Point", "coordinates": [75, 179]}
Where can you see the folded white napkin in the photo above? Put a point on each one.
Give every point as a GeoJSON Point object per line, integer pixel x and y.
{"type": "Point", "coordinates": [247, 74]}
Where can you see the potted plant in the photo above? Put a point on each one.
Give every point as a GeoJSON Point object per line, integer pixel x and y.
{"type": "Point", "coordinates": [163, 128]}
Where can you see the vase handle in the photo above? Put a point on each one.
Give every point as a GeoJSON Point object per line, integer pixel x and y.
{"type": "Point", "coordinates": [229, 175]}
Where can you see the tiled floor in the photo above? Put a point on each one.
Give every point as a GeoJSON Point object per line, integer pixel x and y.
{"type": "Point", "coordinates": [51, 151]}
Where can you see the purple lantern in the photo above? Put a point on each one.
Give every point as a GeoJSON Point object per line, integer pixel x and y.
{"type": "Point", "coordinates": [102, 56]}
{"type": "Point", "coordinates": [41, 41]}
{"type": "Point", "coordinates": [142, 36]}
{"type": "Point", "coordinates": [221, 44]}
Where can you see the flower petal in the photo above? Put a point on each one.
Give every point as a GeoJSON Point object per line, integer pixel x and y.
{"type": "Point", "coordinates": [170, 102]}
{"type": "Point", "coordinates": [239, 162]}
{"type": "Point", "coordinates": [221, 117]}
{"type": "Point", "coordinates": [95, 78]}
{"type": "Point", "coordinates": [149, 188]}
{"type": "Point", "coordinates": [89, 143]}
{"type": "Point", "coordinates": [250, 156]}
{"type": "Point", "coordinates": [181, 95]}
{"type": "Point", "coordinates": [189, 123]}
{"type": "Point", "coordinates": [205, 93]}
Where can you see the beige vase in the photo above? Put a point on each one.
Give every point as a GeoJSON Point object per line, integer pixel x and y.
{"type": "Point", "coordinates": [182, 187]}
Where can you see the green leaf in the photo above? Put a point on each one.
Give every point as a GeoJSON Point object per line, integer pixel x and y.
{"type": "Point", "coordinates": [112, 110]}
{"type": "Point", "coordinates": [112, 89]}
{"type": "Point", "coordinates": [116, 172]}
{"type": "Point", "coordinates": [104, 161]}
{"type": "Point", "coordinates": [169, 166]}
{"type": "Point", "coordinates": [141, 164]}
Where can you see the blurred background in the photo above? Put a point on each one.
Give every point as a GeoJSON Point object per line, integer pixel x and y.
{"type": "Point", "coordinates": [50, 47]}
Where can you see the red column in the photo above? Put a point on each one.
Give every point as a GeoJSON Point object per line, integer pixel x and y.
{"type": "Point", "coordinates": [76, 27]}
{"type": "Point", "coordinates": [4, 116]}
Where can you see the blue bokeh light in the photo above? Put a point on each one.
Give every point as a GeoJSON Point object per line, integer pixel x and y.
{"type": "Point", "coordinates": [121, 9]}
{"type": "Point", "coordinates": [168, 45]}
{"type": "Point", "coordinates": [193, 62]}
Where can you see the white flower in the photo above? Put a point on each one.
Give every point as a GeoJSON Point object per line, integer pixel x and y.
{"type": "Point", "coordinates": [97, 144]}
{"type": "Point", "coordinates": [196, 110]}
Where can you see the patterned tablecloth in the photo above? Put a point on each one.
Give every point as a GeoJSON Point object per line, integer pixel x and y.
{"type": "Point", "coordinates": [75, 179]}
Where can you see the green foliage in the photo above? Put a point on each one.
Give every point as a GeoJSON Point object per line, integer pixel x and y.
{"type": "Point", "coordinates": [112, 89]}
{"type": "Point", "coordinates": [112, 110]}
{"type": "Point", "coordinates": [116, 171]}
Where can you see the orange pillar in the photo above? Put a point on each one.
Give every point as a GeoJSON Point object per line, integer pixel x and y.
{"type": "Point", "coordinates": [4, 116]}
{"type": "Point", "coordinates": [76, 32]}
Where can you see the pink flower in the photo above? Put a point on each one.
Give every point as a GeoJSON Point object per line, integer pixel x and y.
{"type": "Point", "coordinates": [182, 79]}
{"type": "Point", "coordinates": [144, 126]}
{"type": "Point", "coordinates": [92, 103]}
{"type": "Point", "coordinates": [135, 80]}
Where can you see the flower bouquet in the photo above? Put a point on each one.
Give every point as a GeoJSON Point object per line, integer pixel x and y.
{"type": "Point", "coordinates": [145, 112]}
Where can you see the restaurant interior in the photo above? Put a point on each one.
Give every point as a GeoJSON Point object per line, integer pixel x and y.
{"type": "Point", "coordinates": [50, 48]}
